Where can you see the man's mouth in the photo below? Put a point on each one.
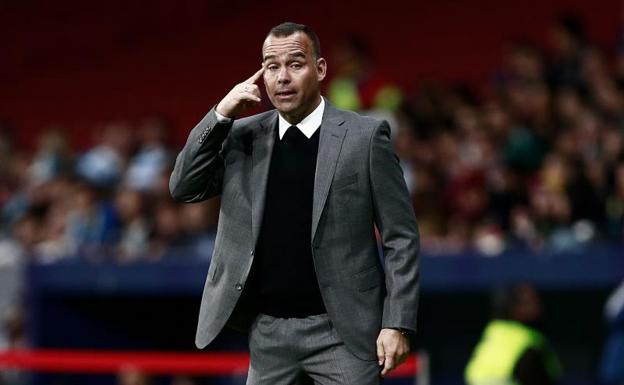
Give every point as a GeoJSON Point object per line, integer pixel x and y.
{"type": "Point", "coordinates": [285, 94]}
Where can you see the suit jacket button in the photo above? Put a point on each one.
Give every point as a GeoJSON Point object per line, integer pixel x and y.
{"type": "Point", "coordinates": [252, 253]}
{"type": "Point", "coordinates": [239, 287]}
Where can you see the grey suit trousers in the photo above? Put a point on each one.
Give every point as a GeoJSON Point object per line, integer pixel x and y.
{"type": "Point", "coordinates": [284, 348]}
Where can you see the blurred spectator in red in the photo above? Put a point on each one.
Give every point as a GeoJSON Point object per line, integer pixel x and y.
{"type": "Point", "coordinates": [523, 63]}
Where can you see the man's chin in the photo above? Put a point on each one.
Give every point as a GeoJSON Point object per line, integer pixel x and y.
{"type": "Point", "coordinates": [285, 107]}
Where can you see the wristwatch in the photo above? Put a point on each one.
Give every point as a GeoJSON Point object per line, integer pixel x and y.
{"type": "Point", "coordinates": [405, 332]}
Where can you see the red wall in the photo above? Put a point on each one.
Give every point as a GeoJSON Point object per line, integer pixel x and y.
{"type": "Point", "coordinates": [84, 62]}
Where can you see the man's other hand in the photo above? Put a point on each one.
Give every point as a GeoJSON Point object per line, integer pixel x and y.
{"type": "Point", "coordinates": [392, 349]}
{"type": "Point", "coordinates": [243, 96]}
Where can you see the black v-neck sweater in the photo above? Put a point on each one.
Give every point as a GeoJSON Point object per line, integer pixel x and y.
{"type": "Point", "coordinates": [283, 279]}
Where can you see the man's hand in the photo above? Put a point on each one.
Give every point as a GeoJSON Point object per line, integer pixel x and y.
{"type": "Point", "coordinates": [242, 97]}
{"type": "Point", "coordinates": [392, 349]}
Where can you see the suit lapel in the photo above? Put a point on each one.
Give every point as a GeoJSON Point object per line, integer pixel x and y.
{"type": "Point", "coordinates": [330, 143]}
{"type": "Point", "coordinates": [261, 158]}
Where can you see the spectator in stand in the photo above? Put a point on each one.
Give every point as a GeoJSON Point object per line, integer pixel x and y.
{"type": "Point", "coordinates": [569, 44]}
{"type": "Point", "coordinates": [53, 157]}
{"type": "Point", "coordinates": [167, 238]}
{"type": "Point", "coordinates": [513, 349]}
{"type": "Point", "coordinates": [27, 233]}
{"type": "Point", "coordinates": [19, 191]}
{"type": "Point", "coordinates": [104, 164]}
{"type": "Point", "coordinates": [135, 229]}
{"type": "Point", "coordinates": [152, 158]}
{"type": "Point", "coordinates": [10, 181]}
{"type": "Point", "coordinates": [523, 63]}
{"type": "Point", "coordinates": [54, 244]}
{"type": "Point", "coordinates": [91, 224]}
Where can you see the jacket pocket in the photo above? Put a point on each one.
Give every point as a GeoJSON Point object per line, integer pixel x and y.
{"type": "Point", "coordinates": [345, 181]}
{"type": "Point", "coordinates": [367, 279]}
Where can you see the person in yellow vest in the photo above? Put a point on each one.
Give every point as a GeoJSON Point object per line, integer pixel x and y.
{"type": "Point", "coordinates": [512, 350]}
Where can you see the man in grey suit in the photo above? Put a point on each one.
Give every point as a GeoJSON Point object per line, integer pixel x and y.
{"type": "Point", "coordinates": [296, 261]}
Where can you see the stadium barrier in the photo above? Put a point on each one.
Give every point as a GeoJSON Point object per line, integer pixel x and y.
{"type": "Point", "coordinates": [151, 362]}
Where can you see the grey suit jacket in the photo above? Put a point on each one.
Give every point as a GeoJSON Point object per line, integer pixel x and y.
{"type": "Point", "coordinates": [358, 184]}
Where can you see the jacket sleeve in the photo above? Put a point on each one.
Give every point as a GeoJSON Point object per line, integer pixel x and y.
{"type": "Point", "coordinates": [198, 171]}
{"type": "Point", "coordinates": [394, 217]}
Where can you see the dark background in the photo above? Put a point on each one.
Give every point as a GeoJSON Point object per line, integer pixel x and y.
{"type": "Point", "coordinates": [76, 63]}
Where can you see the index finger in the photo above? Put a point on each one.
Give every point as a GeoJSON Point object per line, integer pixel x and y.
{"type": "Point", "coordinates": [254, 78]}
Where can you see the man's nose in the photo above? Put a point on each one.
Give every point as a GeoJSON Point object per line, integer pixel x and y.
{"type": "Point", "coordinates": [283, 77]}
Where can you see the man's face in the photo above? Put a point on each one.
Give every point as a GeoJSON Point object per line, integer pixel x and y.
{"type": "Point", "coordinates": [292, 75]}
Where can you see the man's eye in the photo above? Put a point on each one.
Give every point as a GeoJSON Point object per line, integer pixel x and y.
{"type": "Point", "coordinates": [296, 65]}
{"type": "Point", "coordinates": [272, 67]}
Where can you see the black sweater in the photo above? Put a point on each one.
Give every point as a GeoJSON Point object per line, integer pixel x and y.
{"type": "Point", "coordinates": [284, 282]}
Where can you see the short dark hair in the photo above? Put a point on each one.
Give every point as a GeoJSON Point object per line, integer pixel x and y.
{"type": "Point", "coordinates": [288, 28]}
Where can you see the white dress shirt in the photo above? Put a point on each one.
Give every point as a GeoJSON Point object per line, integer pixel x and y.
{"type": "Point", "coordinates": [307, 126]}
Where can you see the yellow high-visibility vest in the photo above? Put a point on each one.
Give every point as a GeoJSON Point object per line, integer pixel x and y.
{"type": "Point", "coordinates": [501, 346]}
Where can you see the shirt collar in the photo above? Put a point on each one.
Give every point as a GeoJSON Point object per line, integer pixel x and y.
{"type": "Point", "coordinates": [308, 125]}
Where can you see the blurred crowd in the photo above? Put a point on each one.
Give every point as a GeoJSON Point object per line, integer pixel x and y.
{"type": "Point", "coordinates": [535, 161]}
{"type": "Point", "coordinates": [110, 203]}
{"type": "Point", "coordinates": [532, 160]}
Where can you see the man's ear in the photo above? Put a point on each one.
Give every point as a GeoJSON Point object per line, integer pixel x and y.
{"type": "Point", "coordinates": [321, 69]}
